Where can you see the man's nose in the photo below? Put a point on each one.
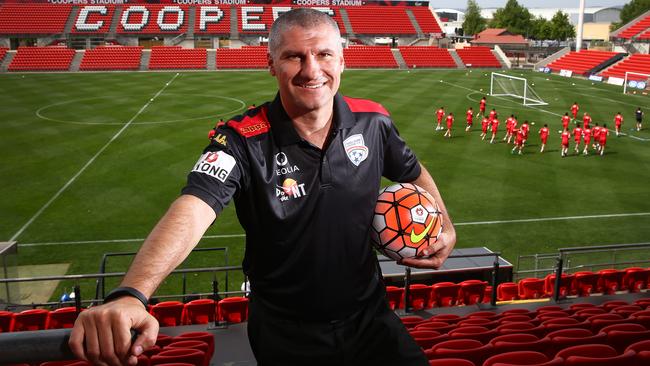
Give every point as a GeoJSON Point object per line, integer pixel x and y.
{"type": "Point", "coordinates": [310, 67]}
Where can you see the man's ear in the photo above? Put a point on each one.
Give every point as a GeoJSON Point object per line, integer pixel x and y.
{"type": "Point", "coordinates": [270, 63]}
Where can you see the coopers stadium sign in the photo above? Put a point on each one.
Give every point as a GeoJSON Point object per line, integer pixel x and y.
{"type": "Point", "coordinates": [228, 2]}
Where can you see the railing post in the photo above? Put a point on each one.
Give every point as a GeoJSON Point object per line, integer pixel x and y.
{"type": "Point", "coordinates": [495, 280]}
{"type": "Point", "coordinates": [77, 298]}
{"type": "Point", "coordinates": [558, 279]}
{"type": "Point", "coordinates": [407, 289]}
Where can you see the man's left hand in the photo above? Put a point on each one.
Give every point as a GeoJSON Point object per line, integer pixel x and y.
{"type": "Point", "coordinates": [435, 255]}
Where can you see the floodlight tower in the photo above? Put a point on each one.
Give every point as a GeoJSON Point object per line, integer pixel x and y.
{"type": "Point", "coordinates": [581, 19]}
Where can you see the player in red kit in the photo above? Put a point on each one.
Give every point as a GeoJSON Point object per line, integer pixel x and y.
{"type": "Point", "coordinates": [565, 121]}
{"type": "Point", "coordinates": [470, 119]}
{"type": "Point", "coordinates": [481, 106]}
{"type": "Point", "coordinates": [440, 114]}
{"type": "Point", "coordinates": [596, 133]}
{"type": "Point", "coordinates": [602, 139]}
{"type": "Point", "coordinates": [586, 120]}
{"type": "Point", "coordinates": [543, 136]}
{"type": "Point", "coordinates": [525, 128]}
{"type": "Point", "coordinates": [493, 114]}
{"type": "Point", "coordinates": [577, 136]}
{"type": "Point", "coordinates": [618, 121]}
{"type": "Point", "coordinates": [586, 138]}
{"type": "Point", "coordinates": [495, 127]}
{"type": "Point", "coordinates": [565, 142]}
{"type": "Point", "coordinates": [450, 122]}
{"type": "Point", "coordinates": [519, 141]}
{"type": "Point", "coordinates": [509, 128]}
{"type": "Point", "coordinates": [485, 122]}
{"type": "Point", "coordinates": [574, 110]}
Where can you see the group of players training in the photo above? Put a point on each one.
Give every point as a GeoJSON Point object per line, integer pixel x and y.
{"type": "Point", "coordinates": [519, 133]}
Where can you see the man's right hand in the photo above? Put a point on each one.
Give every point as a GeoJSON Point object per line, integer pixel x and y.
{"type": "Point", "coordinates": [102, 334]}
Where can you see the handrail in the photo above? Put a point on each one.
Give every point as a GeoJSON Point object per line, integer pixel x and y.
{"type": "Point", "coordinates": [598, 248]}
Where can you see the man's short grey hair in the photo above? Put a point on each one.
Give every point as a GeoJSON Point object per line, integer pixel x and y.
{"type": "Point", "coordinates": [306, 18]}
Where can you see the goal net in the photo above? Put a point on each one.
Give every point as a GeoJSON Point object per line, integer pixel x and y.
{"type": "Point", "coordinates": [516, 87]}
{"type": "Point", "coordinates": [636, 82]}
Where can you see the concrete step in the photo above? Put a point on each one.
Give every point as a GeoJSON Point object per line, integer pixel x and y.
{"type": "Point", "coordinates": [191, 22]}
{"type": "Point", "coordinates": [457, 59]}
{"type": "Point", "coordinates": [346, 22]}
{"type": "Point", "coordinates": [112, 31]}
{"type": "Point", "coordinates": [398, 57]}
{"type": "Point", "coordinates": [415, 23]}
{"type": "Point", "coordinates": [4, 66]}
{"type": "Point", "coordinates": [144, 61]}
{"type": "Point", "coordinates": [76, 60]}
{"type": "Point", "coordinates": [212, 60]}
{"type": "Point", "coordinates": [234, 31]}
{"type": "Point", "coordinates": [71, 19]}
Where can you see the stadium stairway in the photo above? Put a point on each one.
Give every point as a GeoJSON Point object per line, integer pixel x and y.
{"type": "Point", "coordinates": [415, 23]}
{"type": "Point", "coordinates": [234, 31]}
{"type": "Point", "coordinates": [117, 15]}
{"type": "Point", "coordinates": [346, 22]}
{"type": "Point", "coordinates": [398, 57]}
{"type": "Point", "coordinates": [501, 61]}
{"type": "Point", "coordinates": [459, 63]}
{"type": "Point", "coordinates": [144, 61]}
{"type": "Point", "coordinates": [212, 60]}
{"type": "Point", "coordinates": [76, 60]}
{"type": "Point", "coordinates": [191, 22]}
{"type": "Point", "coordinates": [4, 66]}
{"type": "Point", "coordinates": [71, 18]}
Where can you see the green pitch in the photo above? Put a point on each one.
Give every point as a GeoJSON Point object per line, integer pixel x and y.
{"type": "Point", "coordinates": [91, 161]}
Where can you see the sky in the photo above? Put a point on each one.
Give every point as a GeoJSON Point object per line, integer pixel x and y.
{"type": "Point", "coordinates": [460, 4]}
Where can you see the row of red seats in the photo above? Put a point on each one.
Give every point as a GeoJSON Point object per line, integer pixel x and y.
{"type": "Point", "coordinates": [581, 62]}
{"type": "Point", "coordinates": [168, 313]}
{"type": "Point", "coordinates": [242, 58]}
{"type": "Point", "coordinates": [426, 20]}
{"type": "Point", "coordinates": [583, 283]}
{"type": "Point", "coordinates": [42, 58]}
{"type": "Point", "coordinates": [636, 28]}
{"type": "Point", "coordinates": [380, 20]}
{"type": "Point", "coordinates": [178, 58]}
{"type": "Point", "coordinates": [478, 56]}
{"type": "Point", "coordinates": [369, 56]}
{"type": "Point", "coordinates": [426, 56]}
{"type": "Point", "coordinates": [112, 58]}
{"type": "Point", "coordinates": [33, 18]}
{"type": "Point", "coordinates": [636, 63]}
{"type": "Point", "coordinates": [441, 294]}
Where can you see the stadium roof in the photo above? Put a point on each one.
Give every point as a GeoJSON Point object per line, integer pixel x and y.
{"type": "Point", "coordinates": [498, 36]}
{"type": "Point", "coordinates": [547, 13]}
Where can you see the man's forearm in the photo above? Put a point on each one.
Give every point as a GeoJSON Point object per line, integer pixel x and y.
{"type": "Point", "coordinates": [169, 243]}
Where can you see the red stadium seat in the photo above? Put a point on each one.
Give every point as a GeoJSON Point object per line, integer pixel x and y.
{"type": "Point", "coordinates": [641, 317]}
{"type": "Point", "coordinates": [6, 318]}
{"type": "Point", "coordinates": [566, 284]}
{"type": "Point", "coordinates": [206, 337]}
{"type": "Point", "coordinates": [410, 321]}
{"type": "Point", "coordinates": [481, 334]}
{"type": "Point", "coordinates": [583, 314]}
{"type": "Point", "coordinates": [484, 314]}
{"type": "Point", "coordinates": [531, 288]}
{"type": "Point", "coordinates": [168, 313]}
{"type": "Point", "coordinates": [564, 323]}
{"type": "Point", "coordinates": [581, 305]}
{"type": "Point", "coordinates": [482, 322]}
{"type": "Point", "coordinates": [519, 342]}
{"type": "Point", "coordinates": [66, 363]}
{"type": "Point", "coordinates": [613, 304]}
{"type": "Point", "coordinates": [636, 279]}
{"type": "Point", "coordinates": [156, 349]}
{"type": "Point", "coordinates": [602, 320]}
{"type": "Point", "coordinates": [451, 362]}
{"type": "Point", "coordinates": [642, 349]}
{"type": "Point", "coordinates": [620, 336]}
{"type": "Point", "coordinates": [471, 292]}
{"type": "Point", "coordinates": [517, 358]}
{"type": "Point", "coordinates": [201, 311]}
{"type": "Point", "coordinates": [445, 294]}
{"type": "Point", "coordinates": [595, 355]}
{"type": "Point", "coordinates": [447, 318]}
{"type": "Point", "coordinates": [193, 344]}
{"type": "Point", "coordinates": [427, 338]}
{"type": "Point", "coordinates": [163, 340]}
{"type": "Point", "coordinates": [233, 309]}
{"type": "Point", "coordinates": [441, 327]}
{"type": "Point", "coordinates": [62, 318]}
{"type": "Point", "coordinates": [519, 311]}
{"type": "Point", "coordinates": [521, 327]}
{"type": "Point", "coordinates": [419, 296]}
{"type": "Point", "coordinates": [185, 355]}
{"type": "Point", "coordinates": [517, 318]}
{"type": "Point", "coordinates": [626, 310]}
{"type": "Point", "coordinates": [143, 360]}
{"type": "Point", "coordinates": [585, 283]}
{"type": "Point", "coordinates": [507, 291]}
{"type": "Point", "coordinates": [33, 319]}
{"type": "Point", "coordinates": [610, 280]}
{"type": "Point", "coordinates": [564, 338]}
{"type": "Point", "coordinates": [469, 349]}
{"type": "Point", "coordinates": [395, 297]}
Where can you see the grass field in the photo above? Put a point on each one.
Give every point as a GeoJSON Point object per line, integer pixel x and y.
{"type": "Point", "coordinates": [90, 161]}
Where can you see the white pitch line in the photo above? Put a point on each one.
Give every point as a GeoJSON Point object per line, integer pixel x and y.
{"type": "Point", "coordinates": [551, 219]}
{"type": "Point", "coordinates": [69, 182]}
{"type": "Point", "coordinates": [455, 224]}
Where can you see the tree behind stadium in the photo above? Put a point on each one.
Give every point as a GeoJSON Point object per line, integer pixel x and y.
{"type": "Point", "coordinates": [630, 11]}
{"type": "Point", "coordinates": [514, 17]}
{"type": "Point", "coordinates": [474, 23]}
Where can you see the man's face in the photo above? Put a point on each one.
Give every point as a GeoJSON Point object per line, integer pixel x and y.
{"type": "Point", "coordinates": [308, 64]}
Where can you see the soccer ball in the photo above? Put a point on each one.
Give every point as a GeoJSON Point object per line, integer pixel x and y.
{"type": "Point", "coordinates": [406, 221]}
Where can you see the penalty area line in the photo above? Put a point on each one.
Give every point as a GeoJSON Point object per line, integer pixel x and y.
{"type": "Point", "coordinates": [89, 162]}
{"type": "Point", "coordinates": [222, 236]}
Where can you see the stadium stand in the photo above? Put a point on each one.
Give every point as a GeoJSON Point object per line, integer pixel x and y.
{"type": "Point", "coordinates": [33, 18]}
{"type": "Point", "coordinates": [635, 28]}
{"type": "Point", "coordinates": [582, 62]}
{"type": "Point", "coordinates": [248, 57]}
{"type": "Point", "coordinates": [153, 19]}
{"type": "Point", "coordinates": [425, 20]}
{"type": "Point", "coordinates": [478, 57]}
{"type": "Point", "coordinates": [212, 20]}
{"type": "Point", "coordinates": [635, 63]}
{"type": "Point", "coordinates": [369, 56]}
{"type": "Point", "coordinates": [380, 20]}
{"type": "Point", "coordinates": [175, 57]}
{"type": "Point", "coordinates": [42, 58]}
{"type": "Point", "coordinates": [426, 56]}
{"type": "Point", "coordinates": [93, 19]}
{"type": "Point", "coordinates": [112, 58]}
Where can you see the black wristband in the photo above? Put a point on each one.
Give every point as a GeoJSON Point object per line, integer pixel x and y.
{"type": "Point", "coordinates": [126, 291]}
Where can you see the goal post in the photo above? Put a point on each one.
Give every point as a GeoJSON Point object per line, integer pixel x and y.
{"type": "Point", "coordinates": [635, 81]}
{"type": "Point", "coordinates": [516, 87]}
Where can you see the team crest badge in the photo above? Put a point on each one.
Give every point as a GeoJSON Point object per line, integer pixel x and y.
{"type": "Point", "coordinates": [356, 149]}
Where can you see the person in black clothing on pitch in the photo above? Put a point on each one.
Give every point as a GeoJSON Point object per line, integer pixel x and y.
{"type": "Point", "coordinates": [304, 171]}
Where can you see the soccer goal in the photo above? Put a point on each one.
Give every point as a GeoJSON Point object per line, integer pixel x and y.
{"type": "Point", "coordinates": [516, 87]}
{"type": "Point", "coordinates": [635, 81]}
